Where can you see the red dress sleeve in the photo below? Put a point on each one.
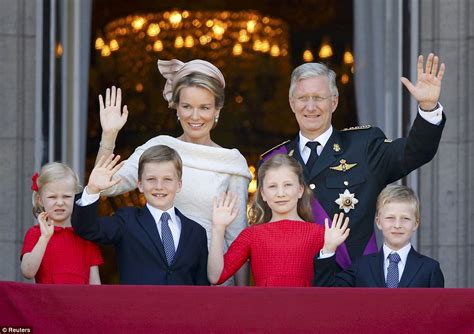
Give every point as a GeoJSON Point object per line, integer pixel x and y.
{"type": "Point", "coordinates": [237, 254]}
{"type": "Point", "coordinates": [95, 257]}
{"type": "Point", "coordinates": [31, 238]}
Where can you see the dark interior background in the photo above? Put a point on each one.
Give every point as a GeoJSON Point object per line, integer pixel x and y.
{"type": "Point", "coordinates": [256, 115]}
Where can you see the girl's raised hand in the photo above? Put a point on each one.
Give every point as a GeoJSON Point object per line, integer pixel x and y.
{"type": "Point", "coordinates": [224, 210]}
{"type": "Point", "coordinates": [46, 226]}
{"type": "Point", "coordinates": [101, 176]}
{"type": "Point", "coordinates": [112, 119]}
{"type": "Point", "coordinates": [336, 234]}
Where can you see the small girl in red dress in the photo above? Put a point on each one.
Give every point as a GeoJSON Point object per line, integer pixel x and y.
{"type": "Point", "coordinates": [281, 241]}
{"type": "Point", "coordinates": [52, 252]}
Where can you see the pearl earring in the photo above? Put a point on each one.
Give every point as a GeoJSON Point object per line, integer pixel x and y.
{"type": "Point", "coordinates": [216, 119]}
{"type": "Point", "coordinates": [177, 116]}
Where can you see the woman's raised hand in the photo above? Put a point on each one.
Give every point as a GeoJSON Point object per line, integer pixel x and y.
{"type": "Point", "coordinates": [225, 210]}
{"type": "Point", "coordinates": [336, 234]}
{"type": "Point", "coordinates": [112, 118]}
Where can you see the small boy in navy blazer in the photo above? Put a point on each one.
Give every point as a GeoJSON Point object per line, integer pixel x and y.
{"type": "Point", "coordinates": [397, 264]}
{"type": "Point", "coordinates": [155, 244]}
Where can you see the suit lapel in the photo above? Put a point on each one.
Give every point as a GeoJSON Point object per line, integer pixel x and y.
{"type": "Point", "coordinates": [294, 151]}
{"type": "Point", "coordinates": [329, 155]}
{"type": "Point", "coordinates": [376, 266]}
{"type": "Point", "coordinates": [147, 222]}
{"type": "Point", "coordinates": [186, 229]}
{"type": "Point", "coordinates": [412, 267]}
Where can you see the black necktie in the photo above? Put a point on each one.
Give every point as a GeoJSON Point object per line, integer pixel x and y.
{"type": "Point", "coordinates": [314, 154]}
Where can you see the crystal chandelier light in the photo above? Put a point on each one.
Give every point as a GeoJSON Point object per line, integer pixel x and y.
{"type": "Point", "coordinates": [213, 33]}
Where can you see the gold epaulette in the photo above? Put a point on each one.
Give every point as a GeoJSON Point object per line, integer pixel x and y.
{"type": "Point", "coordinates": [274, 148]}
{"type": "Point", "coordinates": [360, 127]}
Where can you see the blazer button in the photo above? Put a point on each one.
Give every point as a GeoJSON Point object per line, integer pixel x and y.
{"type": "Point", "coordinates": [312, 186]}
{"type": "Point", "coordinates": [346, 183]}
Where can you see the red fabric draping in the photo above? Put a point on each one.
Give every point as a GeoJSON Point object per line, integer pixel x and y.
{"type": "Point", "coordinates": [185, 309]}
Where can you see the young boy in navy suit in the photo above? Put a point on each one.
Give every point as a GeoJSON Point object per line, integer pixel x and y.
{"type": "Point", "coordinates": [156, 244]}
{"type": "Point", "coordinates": [397, 264]}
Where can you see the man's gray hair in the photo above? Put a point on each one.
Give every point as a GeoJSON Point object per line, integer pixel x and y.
{"type": "Point", "coordinates": [311, 70]}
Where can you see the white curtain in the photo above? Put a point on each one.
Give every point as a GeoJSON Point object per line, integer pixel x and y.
{"type": "Point", "coordinates": [378, 61]}
{"type": "Point", "coordinates": [378, 53]}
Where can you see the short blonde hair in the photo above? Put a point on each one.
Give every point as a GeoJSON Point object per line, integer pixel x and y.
{"type": "Point", "coordinates": [160, 153]}
{"type": "Point", "coordinates": [51, 172]}
{"type": "Point", "coordinates": [394, 193]}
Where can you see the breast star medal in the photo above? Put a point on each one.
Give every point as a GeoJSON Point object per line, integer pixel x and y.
{"type": "Point", "coordinates": [347, 201]}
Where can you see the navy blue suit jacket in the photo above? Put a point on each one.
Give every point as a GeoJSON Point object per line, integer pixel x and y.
{"type": "Point", "coordinates": [420, 272]}
{"type": "Point", "coordinates": [140, 253]}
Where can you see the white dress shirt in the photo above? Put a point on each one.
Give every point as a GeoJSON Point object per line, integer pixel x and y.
{"type": "Point", "coordinates": [434, 117]}
{"type": "Point", "coordinates": [174, 222]}
{"type": "Point", "coordinates": [402, 252]}
{"type": "Point", "coordinates": [305, 151]}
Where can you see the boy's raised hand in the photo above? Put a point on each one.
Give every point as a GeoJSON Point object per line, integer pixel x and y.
{"type": "Point", "coordinates": [224, 210]}
{"type": "Point", "coordinates": [336, 234]}
{"type": "Point", "coordinates": [46, 226]}
{"type": "Point", "coordinates": [101, 176]}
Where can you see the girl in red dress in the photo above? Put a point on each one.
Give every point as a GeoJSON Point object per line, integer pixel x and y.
{"type": "Point", "coordinates": [52, 252]}
{"type": "Point", "coordinates": [281, 241]}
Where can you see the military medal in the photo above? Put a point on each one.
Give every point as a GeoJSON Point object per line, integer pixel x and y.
{"type": "Point", "coordinates": [343, 166]}
{"type": "Point", "coordinates": [347, 201]}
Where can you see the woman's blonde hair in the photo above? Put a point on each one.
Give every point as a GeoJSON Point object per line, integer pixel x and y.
{"type": "Point", "coordinates": [260, 212]}
{"type": "Point", "coordinates": [53, 171]}
{"type": "Point", "coordinates": [200, 80]}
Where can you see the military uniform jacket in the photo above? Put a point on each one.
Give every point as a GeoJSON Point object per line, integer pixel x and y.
{"type": "Point", "coordinates": [363, 161]}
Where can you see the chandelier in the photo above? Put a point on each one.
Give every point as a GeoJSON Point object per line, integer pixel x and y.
{"type": "Point", "coordinates": [215, 34]}
{"type": "Point", "coordinates": [251, 50]}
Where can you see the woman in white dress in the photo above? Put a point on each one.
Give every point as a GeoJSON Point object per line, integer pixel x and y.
{"type": "Point", "coordinates": [196, 90]}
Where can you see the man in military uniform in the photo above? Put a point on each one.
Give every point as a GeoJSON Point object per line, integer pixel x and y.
{"type": "Point", "coordinates": [347, 169]}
